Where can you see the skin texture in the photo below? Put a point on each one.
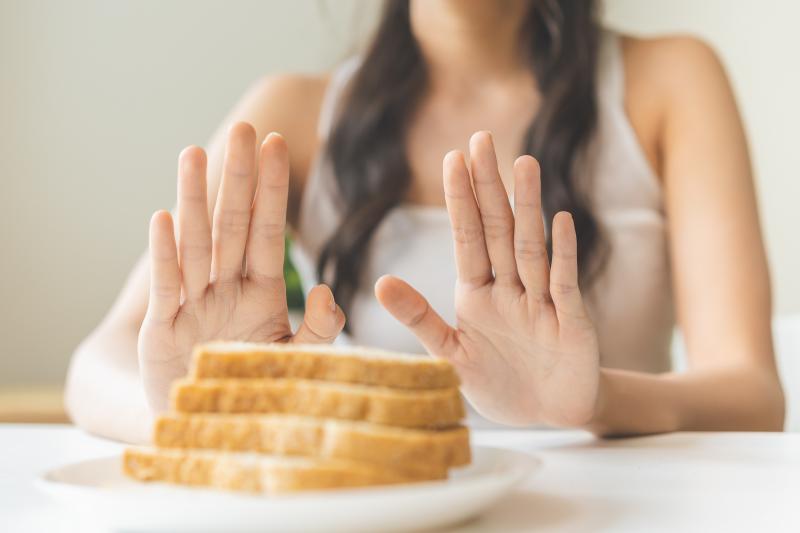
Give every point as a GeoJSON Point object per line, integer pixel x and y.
{"type": "Point", "coordinates": [524, 346]}
{"type": "Point", "coordinates": [199, 290]}
{"type": "Point", "coordinates": [522, 343]}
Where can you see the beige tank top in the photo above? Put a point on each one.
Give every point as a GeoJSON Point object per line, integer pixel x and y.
{"type": "Point", "coordinates": [630, 302]}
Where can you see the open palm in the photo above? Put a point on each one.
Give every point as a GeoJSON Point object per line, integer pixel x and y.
{"type": "Point", "coordinates": [224, 280]}
{"type": "Point", "coordinates": [523, 344]}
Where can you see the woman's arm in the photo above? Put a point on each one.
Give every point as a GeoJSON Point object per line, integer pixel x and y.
{"type": "Point", "coordinates": [720, 274]}
{"type": "Point", "coordinates": [523, 343]}
{"type": "Point", "coordinates": [104, 392]}
{"type": "Point", "coordinates": [734, 398]}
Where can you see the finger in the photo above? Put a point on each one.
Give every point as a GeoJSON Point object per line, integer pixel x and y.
{"type": "Point", "coordinates": [265, 241]}
{"type": "Point", "coordinates": [165, 276]}
{"type": "Point", "coordinates": [530, 248]}
{"type": "Point", "coordinates": [564, 273]}
{"type": "Point", "coordinates": [495, 211]}
{"type": "Point", "coordinates": [194, 230]}
{"type": "Point", "coordinates": [232, 212]}
{"type": "Point", "coordinates": [412, 310]}
{"type": "Point", "coordinates": [472, 261]}
{"type": "Point", "coordinates": [323, 319]}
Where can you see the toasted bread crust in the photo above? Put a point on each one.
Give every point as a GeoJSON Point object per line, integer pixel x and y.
{"type": "Point", "coordinates": [405, 449]}
{"type": "Point", "coordinates": [435, 408]}
{"type": "Point", "coordinates": [253, 361]}
{"type": "Point", "coordinates": [270, 418]}
{"type": "Point", "coordinates": [240, 472]}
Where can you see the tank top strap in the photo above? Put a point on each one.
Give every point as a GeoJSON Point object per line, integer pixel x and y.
{"type": "Point", "coordinates": [337, 86]}
{"type": "Point", "coordinates": [320, 192]}
{"type": "Point", "coordinates": [615, 129]}
{"type": "Point", "coordinates": [611, 69]}
{"type": "Point", "coordinates": [319, 209]}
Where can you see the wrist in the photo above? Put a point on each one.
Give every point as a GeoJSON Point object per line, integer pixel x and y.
{"type": "Point", "coordinates": [634, 403]}
{"type": "Point", "coordinates": [597, 424]}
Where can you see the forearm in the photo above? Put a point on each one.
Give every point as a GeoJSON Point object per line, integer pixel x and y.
{"type": "Point", "coordinates": [104, 394]}
{"type": "Point", "coordinates": [730, 399]}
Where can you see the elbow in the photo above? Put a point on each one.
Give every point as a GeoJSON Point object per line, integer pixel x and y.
{"type": "Point", "coordinates": [765, 410]}
{"type": "Point", "coordinates": [774, 410]}
{"type": "Point", "coordinates": [83, 385]}
{"type": "Point", "coordinates": [102, 394]}
{"type": "Point", "coordinates": [74, 398]}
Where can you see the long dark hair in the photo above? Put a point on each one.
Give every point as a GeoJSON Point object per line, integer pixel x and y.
{"type": "Point", "coordinates": [367, 145]}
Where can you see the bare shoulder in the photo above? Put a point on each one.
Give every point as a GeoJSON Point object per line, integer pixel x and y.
{"type": "Point", "coordinates": [673, 82]}
{"type": "Point", "coordinates": [667, 49]}
{"type": "Point", "coordinates": [290, 105]}
{"type": "Point", "coordinates": [674, 68]}
{"type": "Point", "coordinates": [293, 90]}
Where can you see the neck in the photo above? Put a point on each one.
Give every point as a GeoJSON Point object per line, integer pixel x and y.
{"type": "Point", "coordinates": [465, 40]}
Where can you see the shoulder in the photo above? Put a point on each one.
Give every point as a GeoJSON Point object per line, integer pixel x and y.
{"type": "Point", "coordinates": [291, 87]}
{"type": "Point", "coordinates": [666, 49]}
{"type": "Point", "coordinates": [675, 69]}
{"type": "Point", "coordinates": [289, 104]}
{"type": "Point", "coordinates": [288, 101]}
{"type": "Point", "coordinates": [675, 85]}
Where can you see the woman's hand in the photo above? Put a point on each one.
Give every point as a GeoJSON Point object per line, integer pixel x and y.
{"type": "Point", "coordinates": [523, 344]}
{"type": "Point", "coordinates": [224, 280]}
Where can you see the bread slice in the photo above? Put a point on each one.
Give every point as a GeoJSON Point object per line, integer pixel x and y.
{"type": "Point", "coordinates": [259, 473]}
{"type": "Point", "coordinates": [435, 408]}
{"type": "Point", "coordinates": [367, 366]}
{"type": "Point", "coordinates": [405, 449]}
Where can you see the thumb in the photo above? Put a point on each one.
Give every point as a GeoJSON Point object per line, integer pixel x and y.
{"type": "Point", "coordinates": [411, 309]}
{"type": "Point", "coordinates": [323, 319]}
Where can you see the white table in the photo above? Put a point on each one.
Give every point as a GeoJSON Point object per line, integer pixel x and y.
{"type": "Point", "coordinates": [678, 482]}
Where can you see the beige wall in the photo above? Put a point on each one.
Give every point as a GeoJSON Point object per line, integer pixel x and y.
{"type": "Point", "coordinates": [759, 44]}
{"type": "Point", "coordinates": [97, 97]}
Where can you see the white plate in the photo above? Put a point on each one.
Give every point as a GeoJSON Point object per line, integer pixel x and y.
{"type": "Point", "coordinates": [98, 489]}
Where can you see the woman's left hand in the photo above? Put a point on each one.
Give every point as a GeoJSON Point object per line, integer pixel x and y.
{"type": "Point", "coordinates": [523, 345]}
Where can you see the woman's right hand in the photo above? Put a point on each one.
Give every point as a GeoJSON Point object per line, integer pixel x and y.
{"type": "Point", "coordinates": [223, 280]}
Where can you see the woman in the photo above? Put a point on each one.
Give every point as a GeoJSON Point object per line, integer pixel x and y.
{"type": "Point", "coordinates": [638, 139]}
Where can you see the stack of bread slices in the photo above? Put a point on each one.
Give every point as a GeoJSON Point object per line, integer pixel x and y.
{"type": "Point", "coordinates": [280, 417]}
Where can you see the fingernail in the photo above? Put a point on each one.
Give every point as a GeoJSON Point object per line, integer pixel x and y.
{"type": "Point", "coordinates": [333, 305]}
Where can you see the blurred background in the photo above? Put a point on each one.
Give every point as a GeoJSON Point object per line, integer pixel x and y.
{"type": "Point", "coordinates": [97, 97]}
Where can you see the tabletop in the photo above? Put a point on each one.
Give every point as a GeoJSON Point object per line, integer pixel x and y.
{"type": "Point", "coordinates": [675, 482]}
